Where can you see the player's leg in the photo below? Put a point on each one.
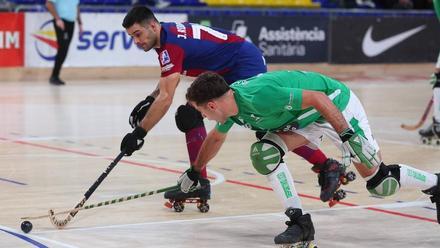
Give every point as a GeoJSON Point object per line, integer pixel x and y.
{"type": "Point", "coordinates": [267, 159]}
{"type": "Point", "coordinates": [382, 179]}
{"type": "Point", "coordinates": [431, 133]}
{"type": "Point", "coordinates": [329, 170]}
{"type": "Point", "coordinates": [190, 121]}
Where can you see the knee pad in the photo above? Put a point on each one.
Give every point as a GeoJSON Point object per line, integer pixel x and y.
{"type": "Point", "coordinates": [386, 182]}
{"type": "Point", "coordinates": [188, 118]}
{"type": "Point", "coordinates": [267, 153]}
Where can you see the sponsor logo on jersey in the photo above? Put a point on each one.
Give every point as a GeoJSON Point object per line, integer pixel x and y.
{"type": "Point", "coordinates": [167, 67]}
{"type": "Point", "coordinates": [164, 57]}
{"type": "Point", "coordinates": [372, 48]}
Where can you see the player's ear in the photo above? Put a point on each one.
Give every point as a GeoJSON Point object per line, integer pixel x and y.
{"type": "Point", "coordinates": [211, 105]}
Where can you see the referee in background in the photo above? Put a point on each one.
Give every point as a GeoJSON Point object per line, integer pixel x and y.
{"type": "Point", "coordinates": [64, 12]}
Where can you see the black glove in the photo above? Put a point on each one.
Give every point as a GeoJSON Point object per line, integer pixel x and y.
{"type": "Point", "coordinates": [133, 141]}
{"type": "Point", "coordinates": [139, 112]}
{"type": "Point", "coordinates": [188, 180]}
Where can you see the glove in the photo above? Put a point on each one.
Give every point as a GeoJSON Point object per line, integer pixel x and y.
{"type": "Point", "coordinates": [360, 149]}
{"type": "Point", "coordinates": [133, 141]}
{"type": "Point", "coordinates": [139, 112]}
{"type": "Point", "coordinates": [188, 180]}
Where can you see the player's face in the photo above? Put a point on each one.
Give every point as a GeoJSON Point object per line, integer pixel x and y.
{"type": "Point", "coordinates": [212, 111]}
{"type": "Point", "coordinates": [144, 36]}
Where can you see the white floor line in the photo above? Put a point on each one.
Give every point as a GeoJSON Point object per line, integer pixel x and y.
{"type": "Point", "coordinates": [136, 225]}
{"type": "Point", "coordinates": [39, 238]}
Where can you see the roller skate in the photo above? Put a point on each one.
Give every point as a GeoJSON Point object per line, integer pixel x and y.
{"type": "Point", "coordinates": [431, 134]}
{"type": "Point", "coordinates": [199, 196]}
{"type": "Point", "coordinates": [300, 232]}
{"type": "Point", "coordinates": [330, 177]}
{"type": "Point", "coordinates": [434, 192]}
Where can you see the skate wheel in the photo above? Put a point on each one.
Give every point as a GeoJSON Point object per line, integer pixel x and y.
{"type": "Point", "coordinates": [339, 195]}
{"type": "Point", "coordinates": [437, 142]}
{"type": "Point", "coordinates": [203, 207]}
{"type": "Point", "coordinates": [178, 206]}
{"type": "Point", "coordinates": [351, 176]}
{"type": "Point", "coordinates": [425, 141]}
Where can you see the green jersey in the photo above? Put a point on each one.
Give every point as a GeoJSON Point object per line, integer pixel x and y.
{"type": "Point", "coordinates": [272, 101]}
{"type": "Point", "coordinates": [437, 8]}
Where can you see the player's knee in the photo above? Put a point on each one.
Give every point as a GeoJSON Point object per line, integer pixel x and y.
{"type": "Point", "coordinates": [386, 182]}
{"type": "Point", "coordinates": [188, 118]}
{"type": "Point", "coordinates": [267, 153]}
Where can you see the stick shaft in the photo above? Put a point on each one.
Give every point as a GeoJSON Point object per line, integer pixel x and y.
{"type": "Point", "coordinates": [98, 182]}
{"type": "Point", "coordinates": [422, 119]}
{"type": "Point", "coordinates": [105, 203]}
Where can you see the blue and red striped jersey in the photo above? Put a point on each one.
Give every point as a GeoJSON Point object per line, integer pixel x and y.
{"type": "Point", "coordinates": [191, 49]}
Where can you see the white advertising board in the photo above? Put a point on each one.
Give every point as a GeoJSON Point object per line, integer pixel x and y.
{"type": "Point", "coordinates": [104, 42]}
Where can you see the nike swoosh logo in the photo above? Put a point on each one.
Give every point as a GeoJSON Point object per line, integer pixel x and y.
{"type": "Point", "coordinates": [373, 48]}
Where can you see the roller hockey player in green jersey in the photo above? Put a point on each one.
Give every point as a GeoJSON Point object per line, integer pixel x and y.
{"type": "Point", "coordinates": [296, 108]}
{"type": "Point", "coordinates": [431, 134]}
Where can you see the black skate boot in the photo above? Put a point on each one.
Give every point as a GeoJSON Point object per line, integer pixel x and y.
{"type": "Point", "coordinates": [200, 196]}
{"type": "Point", "coordinates": [300, 232]}
{"type": "Point", "coordinates": [434, 192]}
{"type": "Point", "coordinates": [331, 175]}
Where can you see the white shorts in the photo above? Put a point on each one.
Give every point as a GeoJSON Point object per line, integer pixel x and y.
{"type": "Point", "coordinates": [355, 116]}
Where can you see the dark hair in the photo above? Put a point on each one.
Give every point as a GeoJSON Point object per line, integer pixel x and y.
{"type": "Point", "coordinates": [207, 86]}
{"type": "Point", "coordinates": [138, 14]}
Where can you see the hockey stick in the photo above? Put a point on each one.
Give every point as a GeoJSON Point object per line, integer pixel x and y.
{"type": "Point", "coordinates": [61, 223]}
{"type": "Point", "coordinates": [104, 203]}
{"type": "Point", "coordinates": [421, 121]}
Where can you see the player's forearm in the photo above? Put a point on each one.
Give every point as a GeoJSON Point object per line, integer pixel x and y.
{"type": "Point", "coordinates": [210, 147]}
{"type": "Point", "coordinates": [51, 8]}
{"type": "Point", "coordinates": [158, 109]}
{"type": "Point", "coordinates": [155, 93]}
{"type": "Point", "coordinates": [329, 111]}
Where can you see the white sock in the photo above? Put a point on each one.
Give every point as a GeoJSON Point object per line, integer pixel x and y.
{"type": "Point", "coordinates": [414, 178]}
{"type": "Point", "coordinates": [283, 186]}
{"type": "Point", "coordinates": [436, 104]}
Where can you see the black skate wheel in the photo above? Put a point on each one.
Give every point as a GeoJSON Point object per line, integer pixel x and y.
{"type": "Point", "coordinates": [203, 207]}
{"type": "Point", "coordinates": [339, 195]}
{"type": "Point", "coordinates": [178, 206]}
{"type": "Point", "coordinates": [351, 176]}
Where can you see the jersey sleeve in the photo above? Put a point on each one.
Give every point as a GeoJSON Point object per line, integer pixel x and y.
{"type": "Point", "coordinates": [225, 127]}
{"type": "Point", "coordinates": [171, 59]}
{"type": "Point", "coordinates": [273, 98]}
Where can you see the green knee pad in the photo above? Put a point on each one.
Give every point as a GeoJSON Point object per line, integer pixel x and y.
{"type": "Point", "coordinates": [389, 186]}
{"type": "Point", "coordinates": [386, 181]}
{"type": "Point", "coordinates": [265, 156]}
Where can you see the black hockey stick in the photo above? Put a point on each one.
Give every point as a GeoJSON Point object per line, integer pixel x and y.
{"type": "Point", "coordinates": [61, 223]}
{"type": "Point", "coordinates": [104, 203]}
